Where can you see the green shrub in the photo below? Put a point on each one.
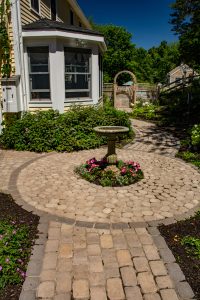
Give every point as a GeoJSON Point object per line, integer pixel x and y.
{"type": "Point", "coordinates": [193, 158]}
{"type": "Point", "coordinates": [147, 112]}
{"type": "Point", "coordinates": [195, 135]}
{"type": "Point", "coordinates": [46, 131]}
{"type": "Point", "coordinates": [182, 105]}
{"type": "Point", "coordinates": [192, 245]}
{"type": "Point", "coordinates": [10, 118]}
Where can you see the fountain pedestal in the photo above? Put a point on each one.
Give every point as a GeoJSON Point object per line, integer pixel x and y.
{"type": "Point", "coordinates": [111, 132]}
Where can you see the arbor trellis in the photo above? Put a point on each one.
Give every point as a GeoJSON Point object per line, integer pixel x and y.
{"type": "Point", "coordinates": [125, 92]}
{"type": "Point", "coordinates": [5, 46]}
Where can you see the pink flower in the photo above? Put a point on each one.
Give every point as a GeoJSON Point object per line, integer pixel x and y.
{"type": "Point", "coordinates": [123, 170]}
{"type": "Point", "coordinates": [91, 161]}
{"type": "Point", "coordinates": [1, 268]}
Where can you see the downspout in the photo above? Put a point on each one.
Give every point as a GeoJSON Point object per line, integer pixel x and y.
{"type": "Point", "coordinates": [19, 51]}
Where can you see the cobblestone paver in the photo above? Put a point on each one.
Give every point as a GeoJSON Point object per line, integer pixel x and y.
{"type": "Point", "coordinates": [150, 138]}
{"type": "Point", "coordinates": [118, 268]}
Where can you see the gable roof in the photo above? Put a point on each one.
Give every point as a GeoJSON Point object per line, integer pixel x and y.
{"type": "Point", "coordinates": [46, 24]}
{"type": "Point", "coordinates": [180, 68]}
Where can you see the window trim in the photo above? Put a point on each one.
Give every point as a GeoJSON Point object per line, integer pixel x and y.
{"type": "Point", "coordinates": [34, 10]}
{"type": "Point", "coordinates": [79, 73]}
{"type": "Point", "coordinates": [38, 101]}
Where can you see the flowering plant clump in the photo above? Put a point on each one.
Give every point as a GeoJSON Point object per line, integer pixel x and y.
{"type": "Point", "coordinates": [102, 173]}
{"type": "Point", "coordinates": [14, 252]}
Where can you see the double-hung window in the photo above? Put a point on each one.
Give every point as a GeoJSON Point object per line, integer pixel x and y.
{"type": "Point", "coordinates": [35, 5]}
{"type": "Point", "coordinates": [77, 73]}
{"type": "Point", "coordinates": [39, 73]}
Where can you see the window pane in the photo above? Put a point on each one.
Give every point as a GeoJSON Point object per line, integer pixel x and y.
{"type": "Point", "coordinates": [53, 10]}
{"type": "Point", "coordinates": [39, 62]}
{"type": "Point", "coordinates": [76, 82]}
{"type": "Point", "coordinates": [39, 72]}
{"type": "Point", "coordinates": [77, 95]}
{"type": "Point", "coordinates": [40, 82]}
{"type": "Point", "coordinates": [40, 96]}
{"type": "Point", "coordinates": [77, 72]}
{"type": "Point", "coordinates": [35, 5]}
{"type": "Point", "coordinates": [77, 61]}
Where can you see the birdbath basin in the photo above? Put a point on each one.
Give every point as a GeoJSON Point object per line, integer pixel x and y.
{"type": "Point", "coordinates": [111, 132]}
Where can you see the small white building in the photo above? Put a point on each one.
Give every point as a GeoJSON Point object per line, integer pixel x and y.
{"type": "Point", "coordinates": [179, 73]}
{"type": "Point", "coordinates": [56, 57]}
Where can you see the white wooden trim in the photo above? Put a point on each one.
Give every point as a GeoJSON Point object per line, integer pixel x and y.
{"type": "Point", "coordinates": [35, 11]}
{"type": "Point", "coordinates": [62, 34]}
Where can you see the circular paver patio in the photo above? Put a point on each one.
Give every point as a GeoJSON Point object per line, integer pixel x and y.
{"type": "Point", "coordinates": [170, 188]}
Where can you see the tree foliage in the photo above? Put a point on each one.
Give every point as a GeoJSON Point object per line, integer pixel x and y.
{"type": "Point", "coordinates": [120, 49]}
{"type": "Point", "coordinates": [185, 19]}
{"type": "Point", "coordinates": [163, 58]}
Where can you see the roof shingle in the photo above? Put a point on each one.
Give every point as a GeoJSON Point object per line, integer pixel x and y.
{"type": "Point", "coordinates": [46, 24]}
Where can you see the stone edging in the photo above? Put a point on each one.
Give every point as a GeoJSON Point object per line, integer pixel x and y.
{"type": "Point", "coordinates": [182, 287]}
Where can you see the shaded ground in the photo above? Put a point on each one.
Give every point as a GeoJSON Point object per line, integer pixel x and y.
{"type": "Point", "coordinates": [9, 210]}
{"type": "Point", "coordinates": [189, 263]}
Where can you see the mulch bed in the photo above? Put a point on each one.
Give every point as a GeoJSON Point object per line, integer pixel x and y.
{"type": "Point", "coordinates": [9, 210]}
{"type": "Point", "coordinates": [189, 264]}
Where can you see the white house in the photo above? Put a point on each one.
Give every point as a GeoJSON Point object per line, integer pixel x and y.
{"type": "Point", "coordinates": [56, 57]}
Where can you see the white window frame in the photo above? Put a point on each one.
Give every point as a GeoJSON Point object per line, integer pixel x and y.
{"type": "Point", "coordinates": [34, 10]}
{"type": "Point", "coordinates": [29, 73]}
{"type": "Point", "coordinates": [77, 98]}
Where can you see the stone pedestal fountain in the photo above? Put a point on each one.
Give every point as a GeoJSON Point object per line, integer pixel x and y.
{"type": "Point", "coordinates": [111, 132]}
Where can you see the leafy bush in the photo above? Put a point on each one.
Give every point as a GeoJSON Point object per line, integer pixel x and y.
{"type": "Point", "coordinates": [189, 150]}
{"type": "Point", "coordinates": [102, 173]}
{"type": "Point", "coordinates": [10, 118]}
{"type": "Point", "coordinates": [191, 157]}
{"type": "Point", "coordinates": [14, 251]}
{"type": "Point", "coordinates": [195, 135]}
{"type": "Point", "coordinates": [182, 105]}
{"type": "Point", "coordinates": [192, 245]}
{"type": "Point", "coordinates": [46, 131]}
{"type": "Point", "coordinates": [146, 111]}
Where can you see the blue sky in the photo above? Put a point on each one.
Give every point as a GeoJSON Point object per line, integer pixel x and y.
{"type": "Point", "coordinates": [147, 20]}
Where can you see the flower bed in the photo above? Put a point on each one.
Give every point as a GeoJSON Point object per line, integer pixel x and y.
{"type": "Point", "coordinates": [18, 230]}
{"type": "Point", "coordinates": [104, 174]}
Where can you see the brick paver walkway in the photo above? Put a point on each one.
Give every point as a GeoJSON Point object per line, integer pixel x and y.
{"type": "Point", "coordinates": [124, 260]}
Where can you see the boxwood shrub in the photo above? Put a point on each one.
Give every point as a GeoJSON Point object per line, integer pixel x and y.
{"type": "Point", "coordinates": [46, 131]}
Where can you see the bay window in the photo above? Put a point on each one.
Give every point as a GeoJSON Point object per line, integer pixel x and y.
{"type": "Point", "coordinates": [77, 73]}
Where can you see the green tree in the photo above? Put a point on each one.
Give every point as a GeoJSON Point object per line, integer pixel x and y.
{"type": "Point", "coordinates": [185, 19]}
{"type": "Point", "coordinates": [141, 65]}
{"type": "Point", "coordinates": [164, 58]}
{"type": "Point", "coordinates": [120, 50]}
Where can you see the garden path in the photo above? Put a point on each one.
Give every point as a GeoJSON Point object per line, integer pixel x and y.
{"type": "Point", "coordinates": [102, 243]}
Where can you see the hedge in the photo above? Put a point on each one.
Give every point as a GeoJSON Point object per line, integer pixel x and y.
{"type": "Point", "coordinates": [46, 131]}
